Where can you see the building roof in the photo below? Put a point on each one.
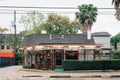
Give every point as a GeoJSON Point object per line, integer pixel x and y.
{"type": "Point", "coordinates": [5, 37]}
{"type": "Point", "coordinates": [8, 37]}
{"type": "Point", "coordinates": [101, 34]}
{"type": "Point", "coordinates": [37, 39]}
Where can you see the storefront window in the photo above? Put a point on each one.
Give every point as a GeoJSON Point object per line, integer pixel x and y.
{"type": "Point", "coordinates": [71, 55]}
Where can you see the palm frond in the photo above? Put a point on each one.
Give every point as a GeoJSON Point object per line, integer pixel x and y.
{"type": "Point", "coordinates": [113, 2]}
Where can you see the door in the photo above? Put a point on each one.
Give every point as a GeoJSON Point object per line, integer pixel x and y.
{"type": "Point", "coordinates": [58, 59]}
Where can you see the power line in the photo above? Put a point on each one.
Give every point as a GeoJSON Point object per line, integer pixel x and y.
{"type": "Point", "coordinates": [48, 12]}
{"type": "Point", "coordinates": [8, 10]}
{"type": "Point", "coordinates": [55, 7]}
{"type": "Point", "coordinates": [4, 9]}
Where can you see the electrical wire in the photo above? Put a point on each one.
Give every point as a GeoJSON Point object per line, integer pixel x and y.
{"type": "Point", "coordinates": [52, 12]}
{"type": "Point", "coordinates": [45, 7]}
{"type": "Point", "coordinates": [8, 10]}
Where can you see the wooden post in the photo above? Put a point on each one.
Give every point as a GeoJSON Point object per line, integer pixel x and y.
{"type": "Point", "coordinates": [84, 54]}
{"type": "Point", "coordinates": [31, 60]}
{"type": "Point", "coordinates": [51, 59]}
{"type": "Point", "coordinates": [78, 54]}
{"type": "Point", "coordinates": [44, 65]}
{"type": "Point", "coordinates": [23, 57]}
{"type": "Point", "coordinates": [64, 55]}
{"type": "Point", "coordinates": [36, 60]}
{"type": "Point", "coordinates": [100, 52]}
{"type": "Point", "coordinates": [94, 55]}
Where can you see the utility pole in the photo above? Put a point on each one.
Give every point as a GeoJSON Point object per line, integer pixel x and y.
{"type": "Point", "coordinates": [15, 31]}
{"type": "Point", "coordinates": [14, 25]}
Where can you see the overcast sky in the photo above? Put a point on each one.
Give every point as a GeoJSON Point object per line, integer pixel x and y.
{"type": "Point", "coordinates": [106, 20]}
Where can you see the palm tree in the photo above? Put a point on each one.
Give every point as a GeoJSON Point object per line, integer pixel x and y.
{"type": "Point", "coordinates": [86, 16]}
{"type": "Point", "coordinates": [117, 8]}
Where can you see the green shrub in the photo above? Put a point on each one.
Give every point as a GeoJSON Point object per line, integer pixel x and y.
{"type": "Point", "coordinates": [18, 58]}
{"type": "Point", "coordinates": [116, 54]}
{"type": "Point", "coordinates": [91, 65]}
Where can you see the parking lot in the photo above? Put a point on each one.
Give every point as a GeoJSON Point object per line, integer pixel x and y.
{"type": "Point", "coordinates": [17, 73]}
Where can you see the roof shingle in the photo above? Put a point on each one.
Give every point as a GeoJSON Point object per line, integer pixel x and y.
{"type": "Point", "coordinates": [101, 34]}
{"type": "Point", "coordinates": [36, 39]}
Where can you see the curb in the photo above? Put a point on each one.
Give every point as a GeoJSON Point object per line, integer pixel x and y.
{"type": "Point", "coordinates": [60, 77]}
{"type": "Point", "coordinates": [34, 70]}
{"type": "Point", "coordinates": [33, 76]}
{"type": "Point", "coordinates": [30, 70]}
{"type": "Point", "coordinates": [79, 71]}
{"type": "Point", "coordinates": [87, 76]}
{"type": "Point", "coordinates": [115, 76]}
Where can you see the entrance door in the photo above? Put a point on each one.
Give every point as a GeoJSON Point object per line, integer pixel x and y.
{"type": "Point", "coordinates": [58, 59]}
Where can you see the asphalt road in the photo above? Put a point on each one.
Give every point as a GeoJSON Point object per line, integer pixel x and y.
{"type": "Point", "coordinates": [16, 73]}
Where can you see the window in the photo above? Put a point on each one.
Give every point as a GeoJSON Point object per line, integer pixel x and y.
{"type": "Point", "coordinates": [2, 46]}
{"type": "Point", "coordinates": [8, 46]}
{"type": "Point", "coordinates": [107, 54]}
{"type": "Point", "coordinates": [71, 55]}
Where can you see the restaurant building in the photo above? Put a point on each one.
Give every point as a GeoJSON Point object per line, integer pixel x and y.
{"type": "Point", "coordinates": [49, 50]}
{"type": "Point", "coordinates": [7, 54]}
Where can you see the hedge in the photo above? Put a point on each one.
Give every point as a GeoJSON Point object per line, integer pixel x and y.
{"type": "Point", "coordinates": [91, 65]}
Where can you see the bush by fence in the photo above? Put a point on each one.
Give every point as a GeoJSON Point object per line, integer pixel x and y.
{"type": "Point", "coordinates": [91, 65]}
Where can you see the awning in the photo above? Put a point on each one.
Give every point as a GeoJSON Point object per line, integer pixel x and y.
{"type": "Point", "coordinates": [7, 54]}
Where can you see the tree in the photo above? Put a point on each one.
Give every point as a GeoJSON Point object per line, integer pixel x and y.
{"type": "Point", "coordinates": [3, 30]}
{"type": "Point", "coordinates": [86, 16]}
{"type": "Point", "coordinates": [117, 8]}
{"type": "Point", "coordinates": [115, 40]}
{"type": "Point", "coordinates": [74, 26]}
{"type": "Point", "coordinates": [10, 41]}
{"type": "Point", "coordinates": [116, 54]}
{"type": "Point", "coordinates": [10, 37]}
{"type": "Point", "coordinates": [18, 57]}
{"type": "Point", "coordinates": [56, 24]}
{"type": "Point", "coordinates": [32, 22]}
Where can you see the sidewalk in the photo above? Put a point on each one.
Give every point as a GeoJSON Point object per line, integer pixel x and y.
{"type": "Point", "coordinates": [77, 74]}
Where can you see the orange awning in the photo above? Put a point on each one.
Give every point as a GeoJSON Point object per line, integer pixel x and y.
{"type": "Point", "coordinates": [7, 54]}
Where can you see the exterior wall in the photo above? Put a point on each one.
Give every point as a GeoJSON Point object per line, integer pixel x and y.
{"type": "Point", "coordinates": [5, 48]}
{"type": "Point", "coordinates": [6, 61]}
{"type": "Point", "coordinates": [36, 58]}
{"type": "Point", "coordinates": [103, 40]}
{"type": "Point", "coordinates": [6, 55]}
{"type": "Point", "coordinates": [81, 54]}
{"type": "Point", "coordinates": [107, 54]}
{"type": "Point", "coordinates": [89, 54]}
{"type": "Point", "coordinates": [32, 60]}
